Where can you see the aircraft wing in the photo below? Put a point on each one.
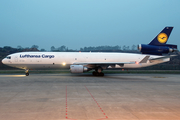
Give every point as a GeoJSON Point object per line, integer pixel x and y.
{"type": "Point", "coordinates": [102, 63]}
{"type": "Point", "coordinates": [144, 60]}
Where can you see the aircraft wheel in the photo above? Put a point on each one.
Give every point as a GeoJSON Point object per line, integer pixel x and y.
{"type": "Point", "coordinates": [101, 74]}
{"type": "Point", "coordinates": [97, 74]}
{"type": "Point", "coordinates": [94, 73]}
{"type": "Point", "coordinates": [27, 74]}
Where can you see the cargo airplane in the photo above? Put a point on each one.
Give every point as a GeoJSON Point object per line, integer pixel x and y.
{"type": "Point", "coordinates": [156, 52]}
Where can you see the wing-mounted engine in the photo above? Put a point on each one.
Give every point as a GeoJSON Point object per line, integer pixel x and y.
{"type": "Point", "coordinates": [157, 50]}
{"type": "Point", "coordinates": [78, 69]}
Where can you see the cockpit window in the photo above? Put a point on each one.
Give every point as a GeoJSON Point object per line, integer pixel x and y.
{"type": "Point", "coordinates": [8, 57]}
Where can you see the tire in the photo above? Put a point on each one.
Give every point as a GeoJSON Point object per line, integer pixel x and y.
{"type": "Point", "coordinates": [27, 74]}
{"type": "Point", "coordinates": [94, 73]}
{"type": "Point", "coordinates": [97, 74]}
{"type": "Point", "coordinates": [101, 74]}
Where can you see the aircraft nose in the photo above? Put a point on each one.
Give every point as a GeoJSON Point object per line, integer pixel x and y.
{"type": "Point", "coordinates": [4, 61]}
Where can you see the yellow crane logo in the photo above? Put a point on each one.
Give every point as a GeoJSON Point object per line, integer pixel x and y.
{"type": "Point", "coordinates": [162, 37]}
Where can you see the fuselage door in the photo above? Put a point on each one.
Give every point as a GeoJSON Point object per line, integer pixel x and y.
{"type": "Point", "coordinates": [16, 58]}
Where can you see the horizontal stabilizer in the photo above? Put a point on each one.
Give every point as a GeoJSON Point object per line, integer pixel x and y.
{"type": "Point", "coordinates": [169, 56]}
{"type": "Point", "coordinates": [144, 60]}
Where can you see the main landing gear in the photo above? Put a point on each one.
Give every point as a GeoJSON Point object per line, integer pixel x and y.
{"type": "Point", "coordinates": [27, 72]}
{"type": "Point", "coordinates": [98, 72]}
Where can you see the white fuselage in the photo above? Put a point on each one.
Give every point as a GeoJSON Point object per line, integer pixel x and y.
{"type": "Point", "coordinates": [56, 60]}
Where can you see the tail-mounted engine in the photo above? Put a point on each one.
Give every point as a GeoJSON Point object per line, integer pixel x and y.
{"type": "Point", "coordinates": [157, 50]}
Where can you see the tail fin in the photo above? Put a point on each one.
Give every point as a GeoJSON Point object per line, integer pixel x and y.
{"type": "Point", "coordinates": [162, 37]}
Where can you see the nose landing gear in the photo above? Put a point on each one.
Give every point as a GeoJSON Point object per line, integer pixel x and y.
{"type": "Point", "coordinates": [27, 72]}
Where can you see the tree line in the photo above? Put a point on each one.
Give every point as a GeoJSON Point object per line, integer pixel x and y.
{"type": "Point", "coordinates": [6, 50]}
{"type": "Point", "coordinates": [117, 48]}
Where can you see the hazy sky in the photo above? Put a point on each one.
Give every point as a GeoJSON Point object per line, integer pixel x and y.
{"type": "Point", "coordinates": [80, 23]}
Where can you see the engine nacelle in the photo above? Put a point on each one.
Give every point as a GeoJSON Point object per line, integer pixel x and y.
{"type": "Point", "coordinates": [154, 50]}
{"type": "Point", "coordinates": [78, 69]}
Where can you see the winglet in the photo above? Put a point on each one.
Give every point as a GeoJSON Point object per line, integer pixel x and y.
{"type": "Point", "coordinates": [145, 59]}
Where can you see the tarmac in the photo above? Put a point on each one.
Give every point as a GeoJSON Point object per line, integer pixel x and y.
{"type": "Point", "coordinates": [85, 97]}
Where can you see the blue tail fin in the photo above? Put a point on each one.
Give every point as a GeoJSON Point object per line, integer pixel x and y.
{"type": "Point", "coordinates": [162, 37]}
{"type": "Point", "coordinates": [158, 45]}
